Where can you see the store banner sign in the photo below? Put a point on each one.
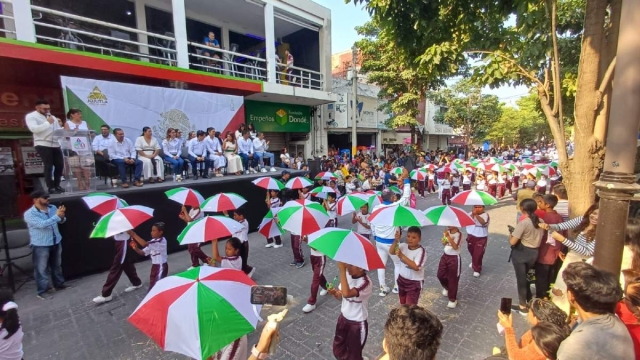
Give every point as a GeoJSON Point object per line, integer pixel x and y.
{"type": "Point", "coordinates": [276, 117]}
{"type": "Point", "coordinates": [31, 161]}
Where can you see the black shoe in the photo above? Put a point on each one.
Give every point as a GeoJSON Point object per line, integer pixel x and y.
{"type": "Point", "coordinates": [62, 287]}
{"type": "Point", "coordinates": [53, 191]}
{"type": "Point", "coordinates": [44, 296]}
{"type": "Point", "coordinates": [205, 177]}
{"type": "Point", "coordinates": [195, 177]}
{"type": "Point", "coordinates": [58, 188]}
{"type": "Point", "coordinates": [300, 265]}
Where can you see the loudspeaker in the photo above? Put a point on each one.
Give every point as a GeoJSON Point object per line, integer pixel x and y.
{"type": "Point", "coordinates": [314, 167]}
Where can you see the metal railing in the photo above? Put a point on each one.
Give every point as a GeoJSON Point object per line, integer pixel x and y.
{"type": "Point", "coordinates": [7, 18]}
{"type": "Point", "coordinates": [227, 62]}
{"type": "Point", "coordinates": [85, 34]}
{"type": "Point", "coordinates": [296, 76]}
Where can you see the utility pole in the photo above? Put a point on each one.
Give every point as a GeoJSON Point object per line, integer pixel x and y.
{"type": "Point", "coordinates": [617, 184]}
{"type": "Point", "coordinates": [354, 101]}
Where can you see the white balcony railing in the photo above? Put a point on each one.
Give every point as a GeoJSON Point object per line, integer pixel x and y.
{"type": "Point", "coordinates": [8, 22]}
{"type": "Point", "coordinates": [228, 62]}
{"type": "Point", "coordinates": [296, 76]}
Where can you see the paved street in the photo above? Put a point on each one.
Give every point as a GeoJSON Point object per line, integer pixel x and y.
{"type": "Point", "coordinates": [71, 326]}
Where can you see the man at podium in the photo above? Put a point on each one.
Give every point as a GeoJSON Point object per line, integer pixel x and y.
{"type": "Point", "coordinates": [42, 124]}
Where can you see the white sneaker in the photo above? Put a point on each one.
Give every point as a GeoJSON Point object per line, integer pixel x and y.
{"type": "Point", "coordinates": [383, 291]}
{"type": "Point", "coordinates": [101, 299]}
{"type": "Point", "coordinates": [269, 245]}
{"type": "Point", "coordinates": [191, 268]}
{"type": "Point", "coordinates": [476, 274]}
{"type": "Point", "coordinates": [470, 266]}
{"type": "Point", "coordinates": [308, 308]}
{"type": "Point", "coordinates": [445, 292]}
{"type": "Point", "coordinates": [323, 292]}
{"type": "Point", "coordinates": [178, 178]}
{"type": "Point", "coordinates": [263, 170]}
{"type": "Point", "coordinates": [253, 271]}
{"type": "Point", "coordinates": [452, 304]}
{"type": "Point", "coordinates": [395, 290]}
{"type": "Point", "coordinates": [247, 172]}
{"type": "Point", "coordinates": [273, 169]}
{"type": "Point", "coordinates": [132, 288]}
{"type": "Point", "coordinates": [253, 171]}
{"type": "Point", "coordinates": [276, 246]}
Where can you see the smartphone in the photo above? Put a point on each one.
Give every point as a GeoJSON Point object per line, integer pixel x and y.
{"type": "Point", "coordinates": [511, 229]}
{"type": "Point", "coordinates": [268, 295]}
{"type": "Point", "coordinates": [505, 306]}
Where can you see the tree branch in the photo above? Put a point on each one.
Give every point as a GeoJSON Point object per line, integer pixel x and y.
{"type": "Point", "coordinates": [522, 71]}
{"type": "Point", "coordinates": [606, 80]}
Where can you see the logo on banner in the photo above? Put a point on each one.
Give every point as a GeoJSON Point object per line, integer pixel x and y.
{"type": "Point", "coordinates": [79, 144]}
{"type": "Point", "coordinates": [281, 117]}
{"type": "Point", "coordinates": [96, 97]}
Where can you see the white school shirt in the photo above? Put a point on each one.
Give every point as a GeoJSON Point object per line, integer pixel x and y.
{"type": "Point", "coordinates": [365, 219]}
{"type": "Point", "coordinates": [157, 250]}
{"type": "Point", "coordinates": [448, 249]}
{"type": "Point", "coordinates": [418, 256]}
{"type": "Point", "coordinates": [274, 202]}
{"type": "Point", "coordinates": [196, 214]}
{"type": "Point", "coordinates": [231, 262]}
{"type": "Point", "coordinates": [479, 230]}
{"type": "Point", "coordinates": [350, 187]}
{"type": "Point", "coordinates": [123, 236]}
{"type": "Point", "coordinates": [445, 184]}
{"type": "Point", "coordinates": [542, 183]}
{"type": "Point", "coordinates": [492, 179]}
{"type": "Point", "coordinates": [502, 179]}
{"type": "Point", "coordinates": [333, 214]}
{"type": "Point", "coordinates": [431, 176]}
{"type": "Point", "coordinates": [172, 147]}
{"type": "Point", "coordinates": [355, 308]}
{"type": "Point", "coordinates": [480, 185]}
{"type": "Point", "coordinates": [243, 234]}
{"type": "Point", "coordinates": [455, 182]}
{"type": "Point", "coordinates": [466, 180]}
{"type": "Point", "coordinates": [11, 348]}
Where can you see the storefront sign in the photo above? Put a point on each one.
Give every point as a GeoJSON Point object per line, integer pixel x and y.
{"type": "Point", "coordinates": [276, 117]}
{"type": "Point", "coordinates": [17, 101]}
{"type": "Point", "coordinates": [31, 161]}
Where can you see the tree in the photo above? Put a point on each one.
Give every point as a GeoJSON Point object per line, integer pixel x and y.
{"type": "Point", "coordinates": [468, 110]}
{"type": "Point", "coordinates": [441, 37]}
{"type": "Point", "coordinates": [524, 124]}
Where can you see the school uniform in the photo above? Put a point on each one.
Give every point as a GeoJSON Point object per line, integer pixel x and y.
{"type": "Point", "coordinates": [122, 261]}
{"type": "Point", "coordinates": [410, 281]}
{"type": "Point", "coordinates": [493, 185]}
{"type": "Point", "coordinates": [352, 328]}
{"type": "Point", "coordinates": [515, 179]}
{"type": "Point", "coordinates": [333, 214]}
{"type": "Point", "coordinates": [195, 252]}
{"type": "Point", "coordinates": [507, 185]}
{"type": "Point", "coordinates": [360, 229]}
{"type": "Point", "coordinates": [275, 203]}
{"type": "Point", "coordinates": [431, 183]}
{"type": "Point", "coordinates": [439, 178]}
{"type": "Point", "coordinates": [455, 185]}
{"type": "Point", "coordinates": [243, 236]}
{"type": "Point", "coordinates": [445, 185]}
{"type": "Point", "coordinates": [157, 250]}
{"type": "Point", "coordinates": [502, 186]}
{"type": "Point", "coordinates": [318, 262]}
{"type": "Point", "coordinates": [481, 185]}
{"type": "Point", "coordinates": [449, 268]}
{"type": "Point", "coordinates": [466, 182]}
{"type": "Point", "coordinates": [298, 256]}
{"type": "Point", "coordinates": [477, 236]}
{"type": "Point", "coordinates": [541, 186]}
{"type": "Point", "coordinates": [237, 350]}
{"type": "Point", "coordinates": [231, 262]}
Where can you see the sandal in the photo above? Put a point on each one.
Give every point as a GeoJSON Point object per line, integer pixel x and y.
{"type": "Point", "coordinates": [160, 180]}
{"type": "Point", "coordinates": [151, 181]}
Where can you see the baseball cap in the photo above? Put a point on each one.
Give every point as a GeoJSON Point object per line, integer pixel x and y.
{"type": "Point", "coordinates": [284, 172]}
{"type": "Point", "coordinates": [37, 194]}
{"type": "Point", "coordinates": [531, 184]}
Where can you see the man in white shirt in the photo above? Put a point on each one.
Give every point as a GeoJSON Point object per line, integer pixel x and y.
{"type": "Point", "coordinates": [260, 146]}
{"type": "Point", "coordinates": [122, 154]}
{"type": "Point", "coordinates": [100, 144]}
{"type": "Point", "coordinates": [198, 154]}
{"type": "Point", "coordinates": [214, 149]}
{"type": "Point", "coordinates": [42, 124]}
{"type": "Point", "coordinates": [245, 151]}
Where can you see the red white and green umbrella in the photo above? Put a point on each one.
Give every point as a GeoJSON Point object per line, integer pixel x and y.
{"type": "Point", "coordinates": [418, 174]}
{"type": "Point", "coordinates": [198, 312]}
{"type": "Point", "coordinates": [474, 197]}
{"type": "Point", "coordinates": [511, 167]}
{"type": "Point", "coordinates": [185, 196]}
{"type": "Point", "coordinates": [395, 189]}
{"type": "Point", "coordinates": [374, 201]}
{"type": "Point", "coordinates": [269, 227]}
{"type": "Point", "coordinates": [398, 215]}
{"type": "Point", "coordinates": [397, 170]}
{"type": "Point", "coordinates": [352, 203]}
{"type": "Point", "coordinates": [302, 217]}
{"type": "Point", "coordinates": [527, 161]}
{"type": "Point", "coordinates": [553, 164]}
{"type": "Point", "coordinates": [326, 175]}
{"type": "Point", "coordinates": [322, 190]}
{"type": "Point", "coordinates": [499, 168]}
{"type": "Point", "coordinates": [298, 182]}
{"type": "Point", "coordinates": [207, 229]}
{"type": "Point", "coordinates": [223, 202]}
{"type": "Point", "coordinates": [103, 203]}
{"type": "Point", "coordinates": [346, 246]}
{"type": "Point", "coordinates": [445, 215]}
{"type": "Point", "coordinates": [268, 183]}
{"type": "Point", "coordinates": [429, 167]}
{"type": "Point", "coordinates": [121, 220]}
{"type": "Point", "coordinates": [543, 170]}
{"type": "Point", "coordinates": [478, 164]}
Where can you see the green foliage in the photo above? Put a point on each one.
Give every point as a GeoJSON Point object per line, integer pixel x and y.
{"type": "Point", "coordinates": [524, 124]}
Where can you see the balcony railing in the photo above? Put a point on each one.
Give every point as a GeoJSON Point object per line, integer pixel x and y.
{"type": "Point", "coordinates": [296, 76]}
{"type": "Point", "coordinates": [8, 22]}
{"type": "Point", "coordinates": [227, 62]}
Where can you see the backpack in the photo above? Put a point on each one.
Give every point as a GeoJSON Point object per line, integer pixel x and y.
{"type": "Point", "coordinates": [413, 201]}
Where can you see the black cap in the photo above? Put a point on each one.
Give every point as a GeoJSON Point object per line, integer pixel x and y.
{"type": "Point", "coordinates": [284, 172]}
{"type": "Point", "coordinates": [37, 194]}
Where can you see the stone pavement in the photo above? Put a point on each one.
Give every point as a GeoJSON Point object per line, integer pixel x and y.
{"type": "Point", "coordinates": [71, 326]}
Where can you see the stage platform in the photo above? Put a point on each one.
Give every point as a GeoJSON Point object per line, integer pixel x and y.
{"type": "Point", "coordinates": [82, 255]}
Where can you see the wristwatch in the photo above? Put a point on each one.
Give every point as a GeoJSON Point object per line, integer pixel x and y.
{"type": "Point", "coordinates": [258, 354]}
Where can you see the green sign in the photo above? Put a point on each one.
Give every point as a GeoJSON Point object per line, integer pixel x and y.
{"type": "Point", "coordinates": [276, 117]}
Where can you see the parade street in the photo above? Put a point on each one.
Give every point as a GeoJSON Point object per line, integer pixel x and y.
{"type": "Point", "coordinates": [71, 326]}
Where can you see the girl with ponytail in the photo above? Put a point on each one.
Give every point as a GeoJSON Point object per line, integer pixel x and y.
{"type": "Point", "coordinates": [525, 241]}
{"type": "Point", "coordinates": [10, 330]}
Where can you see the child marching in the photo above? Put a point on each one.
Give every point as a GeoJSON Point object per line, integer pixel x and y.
{"type": "Point", "coordinates": [243, 236]}
{"type": "Point", "coordinates": [156, 248]}
{"type": "Point", "coordinates": [273, 202]}
{"type": "Point", "coordinates": [413, 257]}
{"type": "Point", "coordinates": [466, 180]}
{"type": "Point", "coordinates": [195, 252]}
{"type": "Point", "coordinates": [361, 219]}
{"type": "Point", "coordinates": [455, 184]}
{"type": "Point", "coordinates": [449, 266]}
{"type": "Point", "coordinates": [122, 262]}
{"type": "Point", "coordinates": [445, 186]}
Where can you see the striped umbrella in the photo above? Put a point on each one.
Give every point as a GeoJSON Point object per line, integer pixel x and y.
{"type": "Point", "coordinates": [223, 202]}
{"type": "Point", "coordinates": [445, 215]}
{"type": "Point", "coordinates": [207, 229]}
{"type": "Point", "coordinates": [499, 168]}
{"type": "Point", "coordinates": [121, 220]}
{"type": "Point", "coordinates": [395, 189]}
{"type": "Point", "coordinates": [398, 215]}
{"type": "Point", "coordinates": [326, 175]}
{"type": "Point", "coordinates": [103, 203]}
{"type": "Point", "coordinates": [474, 197]}
{"type": "Point", "coordinates": [527, 161]}
{"type": "Point", "coordinates": [268, 183]}
{"type": "Point", "coordinates": [397, 170]}
{"type": "Point", "coordinates": [351, 203]}
{"type": "Point", "coordinates": [374, 201]}
{"type": "Point", "coordinates": [298, 182]}
{"type": "Point", "coordinates": [302, 217]}
{"type": "Point", "coordinates": [418, 174]}
{"type": "Point", "coordinates": [429, 167]}
{"type": "Point", "coordinates": [185, 196]}
{"type": "Point", "coordinates": [269, 227]}
{"type": "Point", "coordinates": [553, 164]}
{"type": "Point", "coordinates": [198, 312]}
{"type": "Point", "coordinates": [346, 246]}
{"type": "Point", "coordinates": [543, 170]}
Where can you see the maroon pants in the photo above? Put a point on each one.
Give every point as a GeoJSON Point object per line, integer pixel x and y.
{"type": "Point", "coordinates": [446, 197]}
{"type": "Point", "coordinates": [296, 248]}
{"type": "Point", "coordinates": [541, 189]}
{"type": "Point", "coordinates": [349, 339]}
{"type": "Point", "coordinates": [449, 274]}
{"type": "Point", "coordinates": [197, 255]}
{"type": "Point", "coordinates": [409, 291]}
{"type": "Point", "coordinates": [552, 183]}
{"type": "Point", "coordinates": [277, 239]}
{"type": "Point", "coordinates": [118, 266]}
{"type": "Point", "coordinates": [317, 265]}
{"type": "Point", "coordinates": [157, 272]}
{"type": "Point", "coordinates": [508, 187]}
{"type": "Point", "coordinates": [500, 190]}
{"type": "Point", "coordinates": [421, 188]}
{"type": "Point", "coordinates": [455, 190]}
{"type": "Point", "coordinates": [244, 255]}
{"type": "Point", "coordinates": [466, 187]}
{"type": "Point", "coordinates": [431, 186]}
{"type": "Point", "coordinates": [516, 179]}
{"type": "Point", "coordinates": [492, 189]}
{"type": "Point", "coordinates": [476, 247]}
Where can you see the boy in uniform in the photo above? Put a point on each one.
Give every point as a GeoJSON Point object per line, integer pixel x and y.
{"type": "Point", "coordinates": [413, 257]}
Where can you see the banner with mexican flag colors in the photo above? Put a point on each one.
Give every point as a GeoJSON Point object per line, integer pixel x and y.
{"type": "Point", "coordinates": [132, 107]}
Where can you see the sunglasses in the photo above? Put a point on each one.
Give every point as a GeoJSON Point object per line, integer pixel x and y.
{"type": "Point", "coordinates": [44, 197]}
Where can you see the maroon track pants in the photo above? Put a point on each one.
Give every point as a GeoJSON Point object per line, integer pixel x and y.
{"type": "Point", "coordinates": [296, 248]}
{"type": "Point", "coordinates": [476, 247]}
{"type": "Point", "coordinates": [420, 187]}
{"type": "Point", "coordinates": [197, 255]}
{"type": "Point", "coordinates": [409, 291]}
{"type": "Point", "coordinates": [349, 339]}
{"type": "Point", "coordinates": [118, 266]}
{"type": "Point", "coordinates": [446, 197]}
{"type": "Point", "coordinates": [244, 255]}
{"type": "Point", "coordinates": [449, 274]}
{"type": "Point", "coordinates": [317, 265]}
{"type": "Point", "coordinates": [157, 272]}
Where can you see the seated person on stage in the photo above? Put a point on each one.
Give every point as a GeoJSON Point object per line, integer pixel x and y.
{"type": "Point", "coordinates": [245, 151]}
{"type": "Point", "coordinates": [99, 144]}
{"type": "Point", "coordinates": [214, 149]}
{"type": "Point", "coordinates": [148, 148]}
{"type": "Point", "coordinates": [260, 146]}
{"type": "Point", "coordinates": [122, 153]}
{"type": "Point", "coordinates": [172, 148]}
{"type": "Point", "coordinates": [210, 40]}
{"type": "Point", "coordinates": [198, 155]}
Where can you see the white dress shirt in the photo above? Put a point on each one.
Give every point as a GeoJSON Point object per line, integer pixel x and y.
{"type": "Point", "coordinates": [260, 145]}
{"type": "Point", "coordinates": [121, 150]}
{"type": "Point", "coordinates": [172, 147]}
{"type": "Point", "coordinates": [197, 148]}
{"type": "Point", "coordinates": [42, 130]}
{"type": "Point", "coordinates": [213, 145]}
{"type": "Point", "coordinates": [100, 142]}
{"type": "Point", "coordinates": [245, 146]}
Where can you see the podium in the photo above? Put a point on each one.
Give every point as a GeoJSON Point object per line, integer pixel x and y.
{"type": "Point", "coordinates": [79, 163]}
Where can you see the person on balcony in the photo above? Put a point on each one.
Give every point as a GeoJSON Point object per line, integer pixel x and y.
{"type": "Point", "coordinates": [211, 41]}
{"type": "Point", "coordinates": [289, 69]}
{"type": "Point", "coordinates": [260, 146]}
{"type": "Point", "coordinates": [234, 162]}
{"type": "Point", "coordinates": [148, 148]}
{"type": "Point", "coordinates": [122, 153]}
{"type": "Point", "coordinates": [246, 152]}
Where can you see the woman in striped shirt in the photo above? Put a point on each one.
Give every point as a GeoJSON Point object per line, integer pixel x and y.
{"type": "Point", "coordinates": [580, 248]}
